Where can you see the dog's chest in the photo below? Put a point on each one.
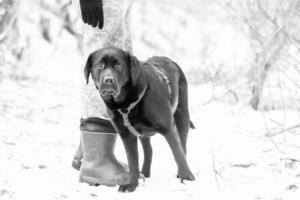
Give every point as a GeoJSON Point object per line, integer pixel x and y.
{"type": "Point", "coordinates": [138, 126]}
{"type": "Point", "coordinates": [144, 130]}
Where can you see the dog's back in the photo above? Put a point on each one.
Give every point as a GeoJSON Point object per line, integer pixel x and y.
{"type": "Point", "coordinates": [165, 64]}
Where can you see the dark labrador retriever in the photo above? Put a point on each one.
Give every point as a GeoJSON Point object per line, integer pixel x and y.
{"type": "Point", "coordinates": [143, 98]}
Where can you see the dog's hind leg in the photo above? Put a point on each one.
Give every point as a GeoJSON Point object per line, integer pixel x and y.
{"type": "Point", "coordinates": [181, 115]}
{"type": "Point", "coordinates": [172, 137]}
{"type": "Point", "coordinates": [182, 124]}
{"type": "Point", "coordinates": [147, 148]}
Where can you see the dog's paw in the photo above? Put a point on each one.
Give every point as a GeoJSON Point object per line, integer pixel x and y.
{"type": "Point", "coordinates": [146, 172]}
{"type": "Point", "coordinates": [128, 187]}
{"type": "Point", "coordinates": [186, 176]}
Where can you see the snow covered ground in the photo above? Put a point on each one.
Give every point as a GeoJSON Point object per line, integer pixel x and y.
{"type": "Point", "coordinates": [228, 152]}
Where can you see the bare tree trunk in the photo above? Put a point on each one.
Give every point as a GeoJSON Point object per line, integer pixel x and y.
{"type": "Point", "coordinates": [257, 88]}
{"type": "Point", "coordinates": [8, 16]}
{"type": "Point", "coordinates": [270, 51]}
{"type": "Point", "coordinates": [8, 28]}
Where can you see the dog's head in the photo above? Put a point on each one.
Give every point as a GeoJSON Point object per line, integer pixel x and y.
{"type": "Point", "coordinates": [111, 69]}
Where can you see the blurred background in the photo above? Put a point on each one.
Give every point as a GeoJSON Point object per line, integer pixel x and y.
{"type": "Point", "coordinates": [242, 60]}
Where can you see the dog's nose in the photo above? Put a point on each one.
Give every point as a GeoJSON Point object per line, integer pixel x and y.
{"type": "Point", "coordinates": [108, 80]}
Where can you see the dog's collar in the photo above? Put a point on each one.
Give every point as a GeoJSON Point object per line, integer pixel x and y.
{"type": "Point", "coordinates": [125, 113]}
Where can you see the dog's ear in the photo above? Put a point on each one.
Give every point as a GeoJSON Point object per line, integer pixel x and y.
{"type": "Point", "coordinates": [134, 68]}
{"type": "Point", "coordinates": [87, 68]}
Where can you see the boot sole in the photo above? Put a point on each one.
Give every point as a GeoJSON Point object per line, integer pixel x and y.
{"type": "Point", "coordinates": [93, 181]}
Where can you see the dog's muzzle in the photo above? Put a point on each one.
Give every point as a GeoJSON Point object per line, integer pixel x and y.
{"type": "Point", "coordinates": [108, 87]}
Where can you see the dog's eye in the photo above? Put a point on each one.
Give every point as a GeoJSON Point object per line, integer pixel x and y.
{"type": "Point", "coordinates": [101, 65]}
{"type": "Point", "coordinates": [118, 66]}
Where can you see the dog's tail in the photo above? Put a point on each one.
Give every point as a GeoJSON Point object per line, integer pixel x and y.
{"type": "Point", "coordinates": [192, 126]}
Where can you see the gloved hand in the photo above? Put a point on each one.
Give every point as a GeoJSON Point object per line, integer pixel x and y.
{"type": "Point", "coordinates": [92, 12]}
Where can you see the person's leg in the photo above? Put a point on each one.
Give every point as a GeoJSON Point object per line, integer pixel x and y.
{"type": "Point", "coordinates": [116, 29]}
{"type": "Point", "coordinates": [94, 156]}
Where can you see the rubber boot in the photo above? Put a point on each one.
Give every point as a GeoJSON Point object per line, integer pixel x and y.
{"type": "Point", "coordinates": [78, 156]}
{"type": "Point", "coordinates": [99, 165]}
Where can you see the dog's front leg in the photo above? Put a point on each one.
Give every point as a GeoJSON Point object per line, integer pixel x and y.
{"type": "Point", "coordinates": [130, 144]}
{"type": "Point", "coordinates": [147, 148]}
